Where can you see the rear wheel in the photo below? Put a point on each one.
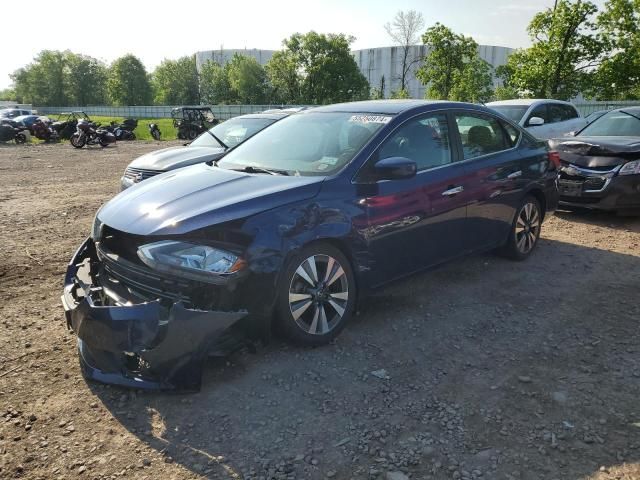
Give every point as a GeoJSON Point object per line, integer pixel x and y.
{"type": "Point", "coordinates": [21, 138]}
{"type": "Point", "coordinates": [193, 133]}
{"type": "Point", "coordinates": [103, 142]}
{"type": "Point", "coordinates": [525, 230]}
{"type": "Point", "coordinates": [77, 140]}
{"type": "Point", "coordinates": [316, 295]}
{"type": "Point", "coordinates": [155, 134]}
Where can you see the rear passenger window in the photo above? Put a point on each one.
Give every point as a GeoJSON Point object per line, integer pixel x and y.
{"type": "Point", "coordinates": [481, 135]}
{"type": "Point", "coordinates": [556, 113]}
{"type": "Point", "coordinates": [569, 112]}
{"type": "Point", "coordinates": [512, 132]}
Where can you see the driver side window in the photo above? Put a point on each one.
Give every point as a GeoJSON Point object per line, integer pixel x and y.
{"type": "Point", "coordinates": [425, 140]}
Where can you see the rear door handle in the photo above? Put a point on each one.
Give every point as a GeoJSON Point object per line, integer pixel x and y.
{"type": "Point", "coordinates": [515, 174]}
{"type": "Point", "coordinates": [452, 191]}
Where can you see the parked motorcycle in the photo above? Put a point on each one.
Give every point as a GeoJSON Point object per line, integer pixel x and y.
{"type": "Point", "coordinates": [124, 130]}
{"type": "Point", "coordinates": [154, 131]}
{"type": "Point", "coordinates": [42, 130]}
{"type": "Point", "coordinates": [19, 133]}
{"type": "Point", "coordinates": [88, 133]}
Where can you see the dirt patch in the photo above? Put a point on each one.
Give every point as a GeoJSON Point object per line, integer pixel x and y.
{"type": "Point", "coordinates": [496, 369]}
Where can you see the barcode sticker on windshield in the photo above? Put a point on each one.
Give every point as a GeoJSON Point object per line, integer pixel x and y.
{"type": "Point", "coordinates": [370, 119]}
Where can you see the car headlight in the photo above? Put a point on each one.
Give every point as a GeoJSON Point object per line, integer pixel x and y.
{"type": "Point", "coordinates": [631, 168]}
{"type": "Point", "coordinates": [198, 262]}
{"type": "Point", "coordinates": [96, 229]}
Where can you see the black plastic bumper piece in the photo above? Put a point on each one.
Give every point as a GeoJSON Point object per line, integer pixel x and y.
{"type": "Point", "coordinates": [145, 345]}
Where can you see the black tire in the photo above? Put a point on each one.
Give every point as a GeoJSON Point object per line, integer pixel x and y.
{"type": "Point", "coordinates": [525, 230]}
{"type": "Point", "coordinates": [193, 133]}
{"type": "Point", "coordinates": [132, 136]}
{"type": "Point", "coordinates": [21, 138]}
{"type": "Point", "coordinates": [325, 301]}
{"type": "Point", "coordinates": [155, 134]}
{"type": "Point", "coordinates": [103, 142]}
{"type": "Point", "coordinates": [77, 141]}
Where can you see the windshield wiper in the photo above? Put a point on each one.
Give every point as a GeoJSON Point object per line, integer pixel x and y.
{"type": "Point", "coordinates": [252, 169]}
{"type": "Point", "coordinates": [218, 140]}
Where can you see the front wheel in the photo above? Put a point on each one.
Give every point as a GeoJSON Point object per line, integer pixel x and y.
{"type": "Point", "coordinates": [78, 140]}
{"type": "Point", "coordinates": [525, 230]}
{"type": "Point", "coordinates": [316, 295]}
{"type": "Point", "coordinates": [193, 133]}
{"type": "Point", "coordinates": [155, 134]}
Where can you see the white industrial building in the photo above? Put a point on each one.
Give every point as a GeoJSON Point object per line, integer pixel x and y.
{"type": "Point", "coordinates": [382, 66]}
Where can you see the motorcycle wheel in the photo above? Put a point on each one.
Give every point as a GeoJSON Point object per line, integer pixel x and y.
{"type": "Point", "coordinates": [21, 138]}
{"type": "Point", "coordinates": [103, 142]}
{"type": "Point", "coordinates": [155, 134]}
{"type": "Point", "coordinates": [132, 136]}
{"type": "Point", "coordinates": [192, 134]}
{"type": "Point", "coordinates": [77, 141]}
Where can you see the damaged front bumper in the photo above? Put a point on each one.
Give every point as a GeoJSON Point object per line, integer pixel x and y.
{"type": "Point", "coordinates": [149, 345]}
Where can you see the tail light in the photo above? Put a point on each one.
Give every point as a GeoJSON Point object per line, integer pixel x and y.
{"type": "Point", "coordinates": [554, 157]}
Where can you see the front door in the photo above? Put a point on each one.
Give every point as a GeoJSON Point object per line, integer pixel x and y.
{"type": "Point", "coordinates": [417, 222]}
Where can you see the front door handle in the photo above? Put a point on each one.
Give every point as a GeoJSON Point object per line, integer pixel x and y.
{"type": "Point", "coordinates": [452, 191]}
{"type": "Point", "coordinates": [515, 174]}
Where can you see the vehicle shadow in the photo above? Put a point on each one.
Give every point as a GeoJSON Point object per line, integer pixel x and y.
{"type": "Point", "coordinates": [516, 369]}
{"type": "Point", "coordinates": [604, 219]}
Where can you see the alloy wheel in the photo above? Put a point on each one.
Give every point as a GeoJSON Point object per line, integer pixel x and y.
{"type": "Point", "coordinates": [318, 294]}
{"type": "Point", "coordinates": [527, 227]}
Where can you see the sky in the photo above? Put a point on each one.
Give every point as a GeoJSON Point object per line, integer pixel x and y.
{"type": "Point", "coordinates": [155, 30]}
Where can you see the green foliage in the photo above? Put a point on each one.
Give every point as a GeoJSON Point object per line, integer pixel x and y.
{"type": "Point", "coordinates": [400, 94]}
{"type": "Point", "coordinates": [320, 67]}
{"type": "Point", "coordinates": [618, 77]}
{"type": "Point", "coordinates": [214, 84]}
{"type": "Point", "coordinates": [86, 80]}
{"type": "Point", "coordinates": [128, 82]}
{"type": "Point", "coordinates": [8, 94]}
{"type": "Point", "coordinates": [176, 82]}
{"type": "Point", "coordinates": [42, 82]}
{"type": "Point", "coordinates": [564, 53]}
{"type": "Point", "coordinates": [247, 80]}
{"type": "Point", "coordinates": [376, 94]}
{"type": "Point", "coordinates": [453, 70]}
{"type": "Point", "coordinates": [284, 77]}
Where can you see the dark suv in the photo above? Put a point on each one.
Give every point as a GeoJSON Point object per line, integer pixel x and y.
{"type": "Point", "coordinates": [296, 225]}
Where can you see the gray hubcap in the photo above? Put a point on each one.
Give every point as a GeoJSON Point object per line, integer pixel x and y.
{"type": "Point", "coordinates": [527, 227]}
{"type": "Point", "coordinates": [318, 294]}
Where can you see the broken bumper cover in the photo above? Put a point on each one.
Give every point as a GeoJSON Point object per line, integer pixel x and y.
{"type": "Point", "coordinates": [146, 345]}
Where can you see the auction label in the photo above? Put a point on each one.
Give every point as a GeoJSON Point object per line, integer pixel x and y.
{"type": "Point", "coordinates": [370, 119]}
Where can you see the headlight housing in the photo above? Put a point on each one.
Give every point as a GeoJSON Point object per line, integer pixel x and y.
{"type": "Point", "coordinates": [630, 168]}
{"type": "Point", "coordinates": [197, 262]}
{"type": "Point", "coordinates": [96, 229]}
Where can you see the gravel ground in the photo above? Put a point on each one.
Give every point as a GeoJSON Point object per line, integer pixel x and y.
{"type": "Point", "coordinates": [483, 368]}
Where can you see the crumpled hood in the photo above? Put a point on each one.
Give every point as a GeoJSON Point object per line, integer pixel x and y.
{"type": "Point", "coordinates": [597, 151]}
{"type": "Point", "coordinates": [176, 157]}
{"type": "Point", "coordinates": [199, 196]}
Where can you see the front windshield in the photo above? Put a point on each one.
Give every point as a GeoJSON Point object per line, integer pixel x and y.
{"type": "Point", "coordinates": [232, 132]}
{"type": "Point", "coordinates": [313, 143]}
{"type": "Point", "coordinates": [613, 124]}
{"type": "Point", "coordinates": [512, 112]}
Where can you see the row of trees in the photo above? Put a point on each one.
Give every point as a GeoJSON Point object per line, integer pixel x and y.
{"type": "Point", "coordinates": [579, 49]}
{"type": "Point", "coordinates": [312, 68]}
{"type": "Point", "coordinates": [576, 48]}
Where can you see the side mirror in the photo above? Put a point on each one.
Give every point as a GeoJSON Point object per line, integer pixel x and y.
{"type": "Point", "coordinates": [395, 168]}
{"type": "Point", "coordinates": [535, 122]}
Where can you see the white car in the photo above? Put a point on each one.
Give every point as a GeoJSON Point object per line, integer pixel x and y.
{"type": "Point", "coordinates": [544, 119]}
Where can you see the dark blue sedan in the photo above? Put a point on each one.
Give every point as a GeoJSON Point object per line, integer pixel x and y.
{"type": "Point", "coordinates": [296, 226]}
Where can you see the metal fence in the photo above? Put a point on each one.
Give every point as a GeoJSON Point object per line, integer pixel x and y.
{"type": "Point", "coordinates": [222, 112]}
{"type": "Point", "coordinates": [585, 107]}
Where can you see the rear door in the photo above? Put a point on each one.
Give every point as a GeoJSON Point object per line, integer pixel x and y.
{"type": "Point", "coordinates": [489, 149]}
{"type": "Point", "coordinates": [421, 221]}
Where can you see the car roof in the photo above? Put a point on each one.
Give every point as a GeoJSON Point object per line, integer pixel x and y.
{"type": "Point", "coordinates": [526, 102]}
{"type": "Point", "coordinates": [272, 115]}
{"type": "Point", "coordinates": [389, 107]}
